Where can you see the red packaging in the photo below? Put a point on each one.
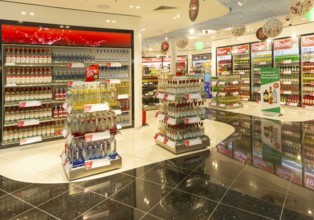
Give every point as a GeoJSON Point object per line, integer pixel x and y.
{"type": "Point", "coordinates": [92, 73]}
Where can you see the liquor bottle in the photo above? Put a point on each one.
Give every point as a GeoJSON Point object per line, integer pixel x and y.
{"type": "Point", "coordinates": [270, 99]}
{"type": "Point", "coordinates": [275, 96]}
{"type": "Point", "coordinates": [265, 96]}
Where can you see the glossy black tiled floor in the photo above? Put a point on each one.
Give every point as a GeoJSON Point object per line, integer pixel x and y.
{"type": "Point", "coordinates": [239, 179]}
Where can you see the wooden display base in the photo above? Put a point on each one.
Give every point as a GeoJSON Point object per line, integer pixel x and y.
{"type": "Point", "coordinates": [180, 148]}
{"type": "Point", "coordinates": [81, 172]}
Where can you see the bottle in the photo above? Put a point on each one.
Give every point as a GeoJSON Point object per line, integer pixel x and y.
{"type": "Point", "coordinates": [270, 99]}
{"type": "Point", "coordinates": [275, 96]}
{"type": "Point", "coordinates": [265, 96]}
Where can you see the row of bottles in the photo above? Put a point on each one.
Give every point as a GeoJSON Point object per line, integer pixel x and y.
{"type": "Point", "coordinates": [287, 57]}
{"type": "Point", "coordinates": [113, 72]}
{"type": "Point", "coordinates": [123, 88]}
{"type": "Point", "coordinates": [73, 57]}
{"type": "Point", "coordinates": [28, 55]}
{"type": "Point", "coordinates": [179, 86]}
{"type": "Point", "coordinates": [308, 100]}
{"type": "Point", "coordinates": [292, 88]}
{"type": "Point", "coordinates": [289, 68]}
{"type": "Point", "coordinates": [61, 76]}
{"type": "Point", "coordinates": [185, 110]}
{"type": "Point", "coordinates": [14, 114]}
{"type": "Point", "coordinates": [27, 94]}
{"type": "Point", "coordinates": [308, 77]}
{"type": "Point", "coordinates": [45, 130]}
{"type": "Point", "coordinates": [59, 112]}
{"type": "Point", "coordinates": [28, 75]}
{"type": "Point", "coordinates": [289, 78]}
{"type": "Point", "coordinates": [59, 94]}
{"type": "Point", "coordinates": [270, 96]}
{"type": "Point", "coordinates": [182, 132]}
{"type": "Point", "coordinates": [241, 71]}
{"type": "Point", "coordinates": [116, 55]}
{"type": "Point", "coordinates": [290, 99]}
{"type": "Point", "coordinates": [125, 104]}
{"type": "Point", "coordinates": [80, 151]}
{"type": "Point", "coordinates": [262, 59]}
{"type": "Point", "coordinates": [308, 66]}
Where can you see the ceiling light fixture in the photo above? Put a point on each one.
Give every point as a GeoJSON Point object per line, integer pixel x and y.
{"type": "Point", "coordinates": [108, 21]}
{"type": "Point", "coordinates": [23, 13]}
{"type": "Point", "coordinates": [166, 38]}
{"type": "Point", "coordinates": [178, 16]}
{"type": "Point", "coordinates": [103, 6]}
{"type": "Point", "coordinates": [191, 31]}
{"type": "Point", "coordinates": [61, 26]}
{"type": "Point", "coordinates": [138, 7]}
{"type": "Point", "coordinates": [240, 4]}
{"type": "Point", "coordinates": [131, 6]}
{"type": "Point", "coordinates": [309, 211]}
{"type": "Point", "coordinates": [113, 21]}
{"type": "Point", "coordinates": [32, 13]}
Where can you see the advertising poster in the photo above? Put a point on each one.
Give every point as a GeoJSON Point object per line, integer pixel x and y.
{"type": "Point", "coordinates": [270, 89]}
{"type": "Point", "coordinates": [207, 86]}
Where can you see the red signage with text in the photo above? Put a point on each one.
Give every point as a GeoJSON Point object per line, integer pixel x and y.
{"type": "Point", "coordinates": [152, 60]}
{"type": "Point", "coordinates": [179, 59]}
{"type": "Point", "coordinates": [263, 46]}
{"type": "Point", "coordinates": [224, 51]}
{"type": "Point", "coordinates": [307, 41]}
{"type": "Point", "coordinates": [63, 37]}
{"type": "Point", "coordinates": [242, 49]}
{"type": "Point", "coordinates": [286, 44]}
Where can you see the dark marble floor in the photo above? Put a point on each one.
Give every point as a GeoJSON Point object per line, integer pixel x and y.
{"type": "Point", "coordinates": [262, 171]}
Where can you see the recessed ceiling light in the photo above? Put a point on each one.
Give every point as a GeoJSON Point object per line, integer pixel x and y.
{"type": "Point", "coordinates": [191, 31]}
{"type": "Point", "coordinates": [103, 6]}
{"type": "Point", "coordinates": [178, 16]}
{"type": "Point", "coordinates": [131, 6]}
{"type": "Point", "coordinates": [166, 38]}
{"type": "Point", "coordinates": [309, 211]}
{"type": "Point", "coordinates": [113, 21]}
{"type": "Point", "coordinates": [138, 7]}
{"type": "Point", "coordinates": [240, 4]}
{"type": "Point", "coordinates": [23, 12]}
{"type": "Point", "coordinates": [143, 29]}
{"type": "Point", "coordinates": [32, 13]}
{"type": "Point", "coordinates": [61, 26]}
{"type": "Point", "coordinates": [67, 26]}
{"type": "Point", "coordinates": [108, 21]}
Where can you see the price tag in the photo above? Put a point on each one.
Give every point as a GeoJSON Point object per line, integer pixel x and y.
{"type": "Point", "coordinates": [235, 105]}
{"type": "Point", "coordinates": [234, 82]}
{"type": "Point", "coordinates": [245, 99]}
{"type": "Point", "coordinates": [171, 121]}
{"type": "Point", "coordinates": [293, 104]}
{"type": "Point", "coordinates": [161, 117]}
{"type": "Point", "coordinates": [286, 72]}
{"type": "Point", "coordinates": [29, 104]}
{"type": "Point", "coordinates": [286, 83]}
{"type": "Point", "coordinates": [221, 83]}
{"type": "Point", "coordinates": [67, 166]}
{"type": "Point", "coordinates": [170, 143]}
{"type": "Point", "coordinates": [214, 83]}
{"type": "Point", "coordinates": [262, 63]}
{"type": "Point", "coordinates": [221, 94]}
{"type": "Point", "coordinates": [11, 85]}
{"type": "Point", "coordinates": [96, 107]}
{"type": "Point", "coordinates": [235, 93]}
{"type": "Point", "coordinates": [242, 73]}
{"type": "Point", "coordinates": [10, 64]}
{"type": "Point", "coordinates": [191, 120]}
{"type": "Point", "coordinates": [113, 81]}
{"type": "Point", "coordinates": [282, 103]}
{"type": "Point", "coordinates": [286, 61]}
{"type": "Point", "coordinates": [213, 104]}
{"type": "Point", "coordinates": [65, 105]}
{"type": "Point", "coordinates": [69, 109]}
{"type": "Point", "coordinates": [287, 92]}
{"type": "Point", "coordinates": [28, 122]}
{"type": "Point", "coordinates": [123, 96]}
{"type": "Point", "coordinates": [76, 65]}
{"type": "Point", "coordinates": [117, 111]}
{"type": "Point", "coordinates": [65, 132]}
{"type": "Point", "coordinates": [114, 64]}
{"type": "Point", "coordinates": [312, 60]}
{"type": "Point", "coordinates": [119, 126]}
{"type": "Point", "coordinates": [76, 83]}
{"type": "Point", "coordinates": [246, 81]}
{"type": "Point", "coordinates": [160, 138]}
{"type": "Point", "coordinates": [30, 140]}
{"type": "Point", "coordinates": [69, 138]}
{"type": "Point", "coordinates": [171, 97]}
{"type": "Point", "coordinates": [92, 164]}
{"type": "Point", "coordinates": [97, 136]}
{"type": "Point", "coordinates": [192, 96]}
{"type": "Point", "coordinates": [309, 181]}
{"type": "Point", "coordinates": [222, 105]}
{"type": "Point", "coordinates": [160, 96]}
{"type": "Point", "coordinates": [192, 142]}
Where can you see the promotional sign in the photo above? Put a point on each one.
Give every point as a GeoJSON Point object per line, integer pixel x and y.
{"type": "Point", "coordinates": [285, 44]}
{"type": "Point", "coordinates": [270, 89]}
{"type": "Point", "coordinates": [260, 34]}
{"type": "Point", "coordinates": [242, 49]}
{"type": "Point", "coordinates": [194, 8]}
{"type": "Point", "coordinates": [224, 51]}
{"type": "Point", "coordinates": [307, 41]}
{"type": "Point", "coordinates": [165, 46]}
{"type": "Point", "coordinates": [261, 47]}
{"type": "Point", "coordinates": [92, 73]}
{"type": "Point", "coordinates": [207, 86]}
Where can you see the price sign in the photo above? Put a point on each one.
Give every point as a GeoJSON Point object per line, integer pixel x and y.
{"type": "Point", "coordinates": [28, 122]}
{"type": "Point", "coordinates": [286, 61]}
{"type": "Point", "coordinates": [171, 121]}
{"type": "Point", "coordinates": [222, 105]}
{"type": "Point", "coordinates": [69, 109]}
{"type": "Point", "coordinates": [170, 143]}
{"type": "Point", "coordinates": [98, 163]}
{"type": "Point", "coordinates": [286, 83]}
{"type": "Point", "coordinates": [282, 103]}
{"type": "Point", "coordinates": [246, 81]}
{"type": "Point", "coordinates": [65, 105]}
{"type": "Point", "coordinates": [286, 72]}
{"type": "Point", "coordinates": [287, 92]}
{"type": "Point", "coordinates": [30, 140]}
{"type": "Point", "coordinates": [160, 138]}
{"type": "Point", "coordinates": [214, 83]}
{"type": "Point", "coordinates": [245, 99]}
{"type": "Point", "coordinates": [235, 93]}
{"type": "Point", "coordinates": [117, 111]}
{"type": "Point", "coordinates": [29, 104]}
{"type": "Point", "coordinates": [161, 117]}
{"type": "Point", "coordinates": [10, 64]}
{"type": "Point", "coordinates": [234, 82]}
{"type": "Point", "coordinates": [242, 73]}
{"type": "Point", "coordinates": [123, 96]}
{"type": "Point", "coordinates": [236, 105]}
{"type": "Point", "coordinates": [11, 85]}
{"type": "Point", "coordinates": [160, 96]}
{"type": "Point", "coordinates": [76, 83]}
{"type": "Point", "coordinates": [171, 97]}
{"type": "Point", "coordinates": [195, 96]}
{"type": "Point", "coordinates": [76, 65]}
{"type": "Point", "coordinates": [213, 104]}
{"type": "Point", "coordinates": [309, 181]}
{"type": "Point", "coordinates": [293, 104]}
{"type": "Point", "coordinates": [65, 132]}
{"type": "Point", "coordinates": [96, 107]}
{"type": "Point", "coordinates": [262, 63]}
{"type": "Point", "coordinates": [191, 120]}
{"type": "Point", "coordinates": [221, 83]}
{"type": "Point", "coordinates": [221, 94]}
{"type": "Point", "coordinates": [192, 142]}
{"type": "Point", "coordinates": [113, 81]}
{"type": "Point", "coordinates": [97, 136]}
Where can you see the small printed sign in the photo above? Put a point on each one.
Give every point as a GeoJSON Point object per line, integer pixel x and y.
{"type": "Point", "coordinates": [96, 107]}
{"type": "Point", "coordinates": [28, 122]}
{"type": "Point", "coordinates": [27, 104]}
{"type": "Point", "coordinates": [192, 142]}
{"type": "Point", "coordinates": [30, 140]}
{"type": "Point", "coordinates": [90, 137]}
{"type": "Point", "coordinates": [123, 96]}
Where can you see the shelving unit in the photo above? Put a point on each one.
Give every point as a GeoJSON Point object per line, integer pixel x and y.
{"type": "Point", "coordinates": [308, 152]}
{"type": "Point", "coordinates": [262, 56]}
{"type": "Point", "coordinates": [228, 92]}
{"type": "Point", "coordinates": [242, 66]}
{"type": "Point", "coordinates": [90, 131]}
{"type": "Point", "coordinates": [181, 113]}
{"type": "Point", "coordinates": [224, 61]}
{"type": "Point", "coordinates": [286, 55]}
{"type": "Point", "coordinates": [34, 79]}
{"type": "Point", "coordinates": [149, 88]}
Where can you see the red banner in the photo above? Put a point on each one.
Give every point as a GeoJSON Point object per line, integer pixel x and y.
{"type": "Point", "coordinates": [179, 59]}
{"type": "Point", "coordinates": [242, 49]}
{"type": "Point", "coordinates": [63, 37]}
{"type": "Point", "coordinates": [307, 41]}
{"type": "Point", "coordinates": [261, 47]}
{"type": "Point", "coordinates": [286, 44]}
{"type": "Point", "coordinates": [224, 51]}
{"type": "Point", "coordinates": [152, 60]}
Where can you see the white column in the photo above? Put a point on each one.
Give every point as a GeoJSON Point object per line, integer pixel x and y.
{"type": "Point", "coordinates": [173, 56]}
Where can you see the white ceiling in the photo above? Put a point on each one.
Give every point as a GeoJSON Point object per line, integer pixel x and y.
{"type": "Point", "coordinates": [154, 23]}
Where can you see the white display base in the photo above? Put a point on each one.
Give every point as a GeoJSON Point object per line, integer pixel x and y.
{"type": "Point", "coordinates": [81, 172]}
{"type": "Point", "coordinates": [180, 148]}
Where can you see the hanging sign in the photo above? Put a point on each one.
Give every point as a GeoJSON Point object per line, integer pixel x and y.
{"type": "Point", "coordinates": [92, 73]}
{"type": "Point", "coordinates": [165, 46]}
{"type": "Point", "coordinates": [194, 9]}
{"type": "Point", "coordinates": [286, 44]}
{"type": "Point", "coordinates": [307, 41]}
{"type": "Point", "coordinates": [270, 88]}
{"type": "Point", "coordinates": [260, 34]}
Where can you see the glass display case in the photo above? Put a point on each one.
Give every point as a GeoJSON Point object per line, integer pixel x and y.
{"type": "Point", "coordinates": [224, 61]}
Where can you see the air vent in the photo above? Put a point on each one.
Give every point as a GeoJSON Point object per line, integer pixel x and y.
{"type": "Point", "coordinates": [161, 8]}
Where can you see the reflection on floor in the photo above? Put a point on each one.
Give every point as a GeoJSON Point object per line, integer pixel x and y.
{"type": "Point", "coordinates": [263, 170]}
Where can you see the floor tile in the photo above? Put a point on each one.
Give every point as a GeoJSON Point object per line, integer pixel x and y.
{"type": "Point", "coordinates": [180, 205]}
{"type": "Point", "coordinates": [107, 186]}
{"type": "Point", "coordinates": [9, 185]}
{"type": "Point", "coordinates": [11, 207]}
{"type": "Point", "coordinates": [202, 185]}
{"type": "Point", "coordinates": [37, 194]}
{"type": "Point", "coordinates": [2, 193]}
{"type": "Point", "coordinates": [71, 204]}
{"type": "Point", "coordinates": [223, 212]}
{"type": "Point", "coordinates": [140, 171]}
{"type": "Point", "coordinates": [255, 205]}
{"type": "Point", "coordinates": [151, 217]}
{"type": "Point", "coordinates": [112, 210]}
{"type": "Point", "coordinates": [35, 214]}
{"type": "Point", "coordinates": [291, 215]}
{"type": "Point", "coordinates": [164, 175]}
{"type": "Point", "coordinates": [141, 194]}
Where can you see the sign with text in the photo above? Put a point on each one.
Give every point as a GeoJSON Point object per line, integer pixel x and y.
{"type": "Point", "coordinates": [224, 51]}
{"type": "Point", "coordinates": [241, 49]}
{"type": "Point", "coordinates": [286, 44]}
{"type": "Point", "coordinates": [307, 41]}
{"type": "Point", "coordinates": [261, 47]}
{"type": "Point", "coordinates": [270, 88]}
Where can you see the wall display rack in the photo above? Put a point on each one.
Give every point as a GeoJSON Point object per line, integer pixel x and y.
{"type": "Point", "coordinates": [35, 78]}
{"type": "Point", "coordinates": [180, 114]}
{"type": "Point", "coordinates": [90, 130]}
{"type": "Point", "coordinates": [224, 61]}
{"type": "Point", "coordinates": [242, 66]}
{"type": "Point", "coordinates": [227, 89]}
{"type": "Point", "coordinates": [149, 87]}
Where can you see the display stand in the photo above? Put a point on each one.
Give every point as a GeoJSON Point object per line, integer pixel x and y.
{"type": "Point", "coordinates": [180, 114]}
{"type": "Point", "coordinates": [228, 93]}
{"type": "Point", "coordinates": [90, 130]}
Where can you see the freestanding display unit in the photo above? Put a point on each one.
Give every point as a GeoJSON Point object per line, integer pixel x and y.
{"type": "Point", "coordinates": [38, 62]}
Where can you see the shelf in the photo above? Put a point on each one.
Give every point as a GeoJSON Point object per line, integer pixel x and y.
{"type": "Point", "coordinates": [181, 148]}
{"type": "Point", "coordinates": [43, 102]}
{"type": "Point", "coordinates": [15, 143]}
{"type": "Point", "coordinates": [40, 121]}
{"type": "Point", "coordinates": [28, 65]}
{"type": "Point", "coordinates": [224, 106]}
{"type": "Point", "coordinates": [35, 85]}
